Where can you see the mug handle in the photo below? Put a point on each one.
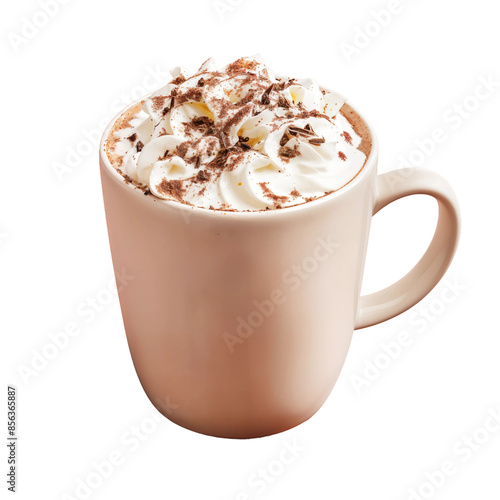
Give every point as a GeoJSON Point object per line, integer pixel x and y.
{"type": "Point", "coordinates": [405, 293]}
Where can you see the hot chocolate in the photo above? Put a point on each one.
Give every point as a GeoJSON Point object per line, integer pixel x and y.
{"type": "Point", "coordinates": [239, 139]}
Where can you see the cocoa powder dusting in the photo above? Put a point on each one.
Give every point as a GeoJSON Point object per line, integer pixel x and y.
{"type": "Point", "coordinates": [238, 116]}
{"type": "Point", "coordinates": [158, 102]}
{"type": "Point", "coordinates": [269, 194]}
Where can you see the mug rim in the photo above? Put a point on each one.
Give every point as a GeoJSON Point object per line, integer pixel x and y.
{"type": "Point", "coordinates": [369, 165]}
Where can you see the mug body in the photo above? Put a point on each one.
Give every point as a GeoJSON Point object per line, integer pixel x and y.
{"type": "Point", "coordinates": [239, 323]}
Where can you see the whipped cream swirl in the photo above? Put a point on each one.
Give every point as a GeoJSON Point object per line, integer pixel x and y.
{"type": "Point", "coordinates": [239, 139]}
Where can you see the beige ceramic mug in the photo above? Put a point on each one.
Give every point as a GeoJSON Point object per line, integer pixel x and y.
{"type": "Point", "coordinates": [239, 323]}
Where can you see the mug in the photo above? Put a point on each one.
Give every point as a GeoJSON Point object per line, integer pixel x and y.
{"type": "Point", "coordinates": [239, 323]}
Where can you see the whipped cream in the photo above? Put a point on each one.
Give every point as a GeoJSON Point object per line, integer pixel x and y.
{"type": "Point", "coordinates": [239, 139]}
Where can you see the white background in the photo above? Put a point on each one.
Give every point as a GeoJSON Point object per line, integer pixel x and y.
{"type": "Point", "coordinates": [377, 441]}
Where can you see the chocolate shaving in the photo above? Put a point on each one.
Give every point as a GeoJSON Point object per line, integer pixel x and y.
{"type": "Point", "coordinates": [286, 152]}
{"type": "Point", "coordinates": [249, 97]}
{"type": "Point", "coordinates": [139, 146]}
{"type": "Point", "coordinates": [219, 161]}
{"type": "Point", "coordinates": [241, 66]}
{"type": "Point", "coordinates": [317, 141]}
{"type": "Point", "coordinates": [280, 86]}
{"type": "Point", "coordinates": [283, 102]}
{"type": "Point", "coordinates": [347, 137]}
{"type": "Point", "coordinates": [177, 81]}
{"type": "Point", "coordinates": [203, 124]}
{"type": "Point", "coordinates": [286, 137]}
{"type": "Point", "coordinates": [182, 148]}
{"type": "Point", "coordinates": [147, 191]}
{"type": "Point", "coordinates": [174, 188]}
{"type": "Point", "coordinates": [202, 176]}
{"type": "Point", "coordinates": [132, 138]}
{"type": "Point", "coordinates": [342, 156]}
{"type": "Point", "coordinates": [193, 94]}
{"type": "Point", "coordinates": [242, 143]}
{"type": "Point", "coordinates": [303, 115]}
{"type": "Point", "coordinates": [293, 130]}
{"type": "Point", "coordinates": [265, 96]}
{"type": "Point", "coordinates": [201, 82]}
